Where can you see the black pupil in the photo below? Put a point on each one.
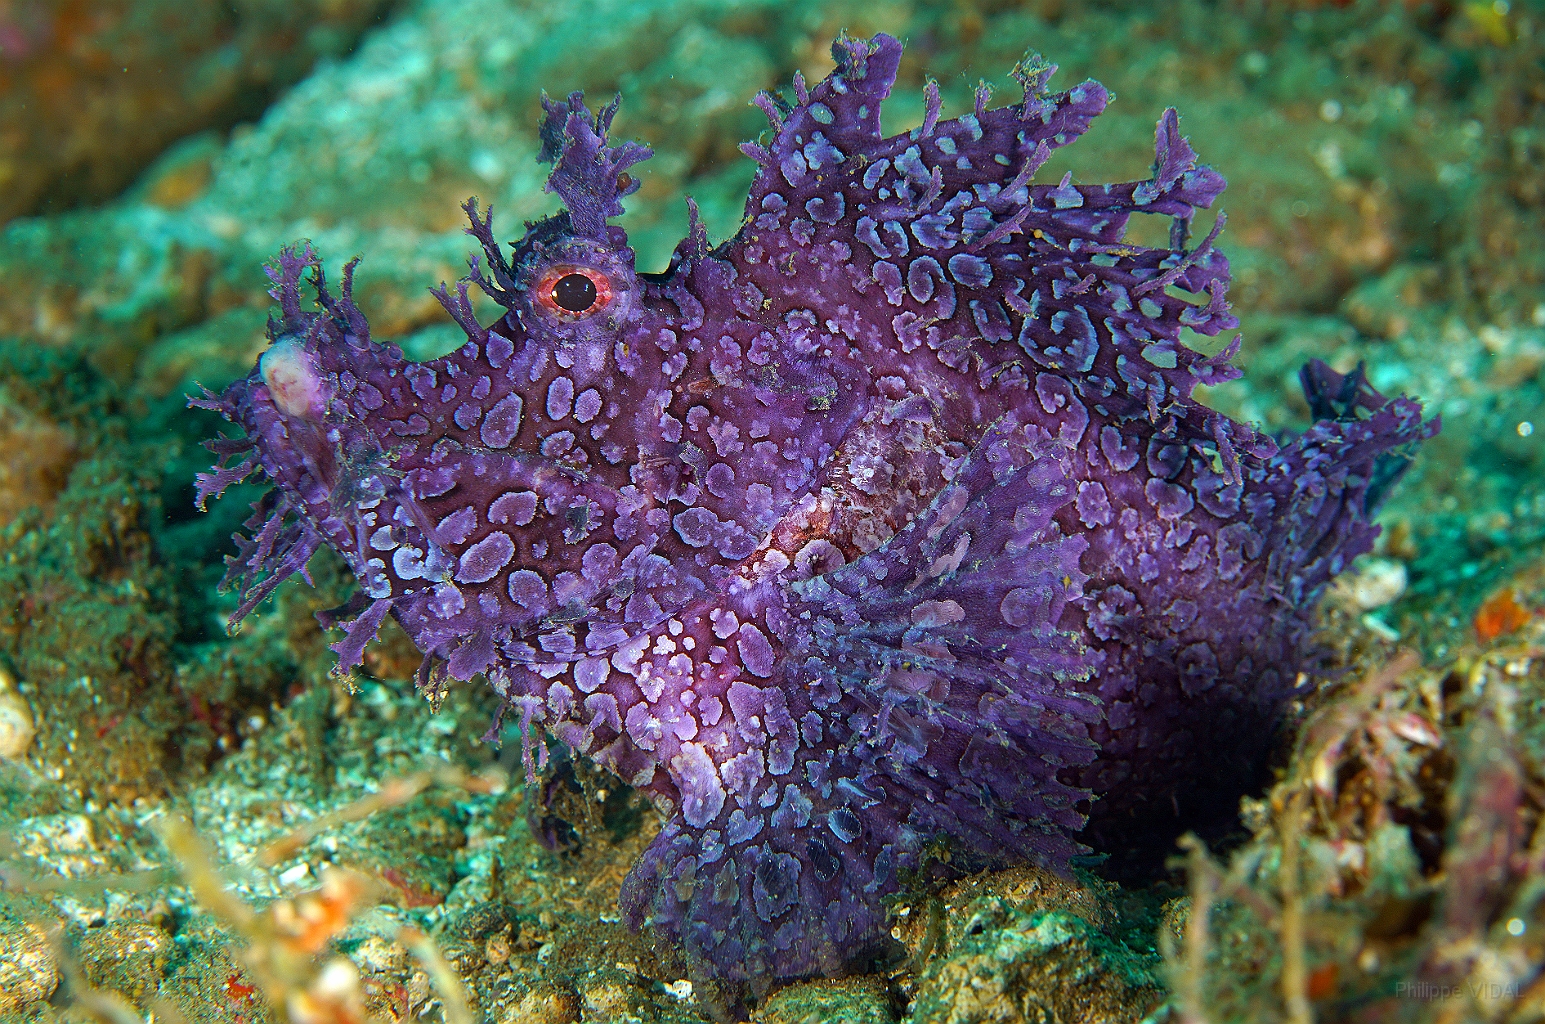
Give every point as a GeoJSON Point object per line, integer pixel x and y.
{"type": "Point", "coordinates": [574, 292]}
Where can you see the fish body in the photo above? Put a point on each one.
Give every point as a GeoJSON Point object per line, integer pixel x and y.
{"type": "Point", "coordinates": [890, 522]}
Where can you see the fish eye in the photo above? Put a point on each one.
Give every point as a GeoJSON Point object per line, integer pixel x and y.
{"type": "Point", "coordinates": [572, 293]}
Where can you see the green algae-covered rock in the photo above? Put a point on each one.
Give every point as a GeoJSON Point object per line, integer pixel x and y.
{"type": "Point", "coordinates": [1011, 966]}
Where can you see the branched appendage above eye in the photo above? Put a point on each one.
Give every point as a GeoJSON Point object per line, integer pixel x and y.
{"type": "Point", "coordinates": [498, 284]}
{"type": "Point", "coordinates": [571, 292]}
{"type": "Point", "coordinates": [588, 172]}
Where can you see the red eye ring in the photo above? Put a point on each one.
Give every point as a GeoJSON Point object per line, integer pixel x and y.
{"type": "Point", "coordinates": [571, 292]}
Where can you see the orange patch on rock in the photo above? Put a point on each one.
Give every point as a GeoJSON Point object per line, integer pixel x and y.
{"type": "Point", "coordinates": [1322, 981]}
{"type": "Point", "coordinates": [1501, 613]}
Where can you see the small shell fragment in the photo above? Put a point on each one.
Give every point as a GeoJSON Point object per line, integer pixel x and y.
{"type": "Point", "coordinates": [17, 726]}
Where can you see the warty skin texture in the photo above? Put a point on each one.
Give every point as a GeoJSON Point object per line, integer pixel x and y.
{"type": "Point", "coordinates": [891, 520]}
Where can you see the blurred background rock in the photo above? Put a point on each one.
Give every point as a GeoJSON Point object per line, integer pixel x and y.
{"type": "Point", "coordinates": [91, 91]}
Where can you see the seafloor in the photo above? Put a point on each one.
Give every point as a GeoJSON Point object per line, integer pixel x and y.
{"type": "Point", "coordinates": [1386, 162]}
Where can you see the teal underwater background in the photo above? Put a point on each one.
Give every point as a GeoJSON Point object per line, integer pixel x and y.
{"type": "Point", "coordinates": [1386, 162]}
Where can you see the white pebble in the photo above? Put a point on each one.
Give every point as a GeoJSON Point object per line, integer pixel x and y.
{"type": "Point", "coordinates": [293, 875]}
{"type": "Point", "coordinates": [17, 727]}
{"type": "Point", "coordinates": [1378, 582]}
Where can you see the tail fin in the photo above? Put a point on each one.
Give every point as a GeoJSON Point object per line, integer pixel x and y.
{"type": "Point", "coordinates": [1348, 398]}
{"type": "Point", "coordinates": [1337, 474]}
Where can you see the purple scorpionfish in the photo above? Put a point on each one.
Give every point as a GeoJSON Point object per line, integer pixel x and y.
{"type": "Point", "coordinates": [890, 522]}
